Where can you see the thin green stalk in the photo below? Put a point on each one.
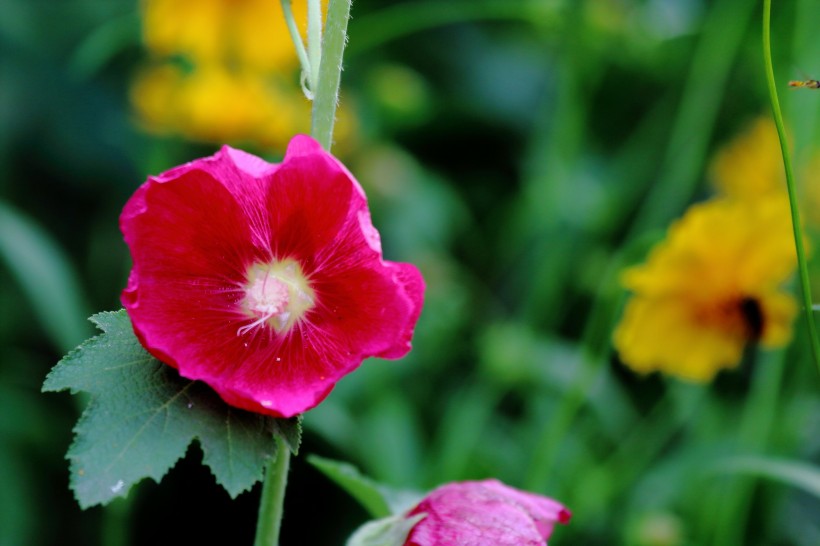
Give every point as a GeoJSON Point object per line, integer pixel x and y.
{"type": "Point", "coordinates": [116, 523]}
{"type": "Point", "coordinates": [273, 497]}
{"type": "Point", "coordinates": [759, 414]}
{"type": "Point", "coordinates": [703, 93]}
{"type": "Point", "coordinates": [547, 250]}
{"type": "Point", "coordinates": [314, 40]}
{"type": "Point", "coordinates": [558, 425]}
{"type": "Point", "coordinates": [797, 226]}
{"type": "Point", "coordinates": [102, 44]}
{"type": "Point", "coordinates": [651, 435]}
{"type": "Point", "coordinates": [326, 94]}
{"type": "Point", "coordinates": [595, 346]}
{"type": "Point", "coordinates": [296, 37]}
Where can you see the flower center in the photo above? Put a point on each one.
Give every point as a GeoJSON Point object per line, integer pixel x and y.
{"type": "Point", "coordinates": [753, 317]}
{"type": "Point", "coordinates": [277, 294]}
{"type": "Point", "coordinates": [742, 317]}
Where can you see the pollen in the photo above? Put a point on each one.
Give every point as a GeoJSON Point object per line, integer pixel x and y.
{"type": "Point", "coordinates": [277, 295]}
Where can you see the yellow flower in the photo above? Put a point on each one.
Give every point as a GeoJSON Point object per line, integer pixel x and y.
{"type": "Point", "coordinates": [214, 104]}
{"type": "Point", "coordinates": [251, 33]}
{"type": "Point", "coordinates": [712, 286]}
{"type": "Point", "coordinates": [750, 166]}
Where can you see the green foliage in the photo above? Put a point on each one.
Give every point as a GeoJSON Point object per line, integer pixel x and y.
{"type": "Point", "coordinates": [45, 275]}
{"type": "Point", "coordinates": [21, 423]}
{"type": "Point", "coordinates": [379, 500]}
{"type": "Point", "coordinates": [103, 44]}
{"type": "Point", "coordinates": [387, 504]}
{"type": "Point", "coordinates": [142, 416]}
{"type": "Point", "coordinates": [795, 473]}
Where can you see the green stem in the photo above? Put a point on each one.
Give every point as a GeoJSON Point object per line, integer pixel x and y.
{"type": "Point", "coordinates": [273, 497]}
{"type": "Point", "coordinates": [116, 523]}
{"type": "Point", "coordinates": [558, 425]}
{"type": "Point", "coordinates": [651, 435]}
{"type": "Point", "coordinates": [326, 94]}
{"type": "Point", "coordinates": [703, 93]}
{"type": "Point", "coordinates": [296, 37]}
{"type": "Point", "coordinates": [795, 211]}
{"type": "Point", "coordinates": [314, 40]}
{"type": "Point", "coordinates": [326, 90]}
{"type": "Point", "coordinates": [595, 344]}
{"type": "Point", "coordinates": [102, 44]}
{"type": "Point", "coordinates": [733, 504]}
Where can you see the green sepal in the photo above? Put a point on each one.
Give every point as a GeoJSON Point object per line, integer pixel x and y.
{"type": "Point", "coordinates": [379, 500]}
{"type": "Point", "coordinates": [389, 531]}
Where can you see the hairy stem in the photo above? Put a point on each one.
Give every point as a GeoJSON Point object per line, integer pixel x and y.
{"type": "Point", "coordinates": [293, 29]}
{"type": "Point", "coordinates": [326, 94]}
{"type": "Point", "coordinates": [325, 90]}
{"type": "Point", "coordinates": [802, 264]}
{"type": "Point", "coordinates": [273, 497]}
{"type": "Point", "coordinates": [314, 40]}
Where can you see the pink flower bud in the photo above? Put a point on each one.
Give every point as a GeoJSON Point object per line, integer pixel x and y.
{"type": "Point", "coordinates": [485, 513]}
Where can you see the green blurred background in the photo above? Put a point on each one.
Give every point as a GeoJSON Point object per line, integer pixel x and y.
{"type": "Point", "coordinates": [521, 152]}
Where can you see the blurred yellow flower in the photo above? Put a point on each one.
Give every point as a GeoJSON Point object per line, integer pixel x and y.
{"type": "Point", "coordinates": [251, 33]}
{"type": "Point", "coordinates": [214, 104]}
{"type": "Point", "coordinates": [712, 286]}
{"type": "Point", "coordinates": [750, 166]}
{"type": "Point", "coordinates": [811, 192]}
{"type": "Point", "coordinates": [224, 71]}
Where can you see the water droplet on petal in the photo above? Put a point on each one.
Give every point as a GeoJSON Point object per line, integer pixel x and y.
{"type": "Point", "coordinates": [266, 403]}
{"type": "Point", "coordinates": [278, 359]}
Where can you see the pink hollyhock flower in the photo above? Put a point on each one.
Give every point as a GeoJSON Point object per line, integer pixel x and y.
{"type": "Point", "coordinates": [266, 281]}
{"type": "Point", "coordinates": [485, 513]}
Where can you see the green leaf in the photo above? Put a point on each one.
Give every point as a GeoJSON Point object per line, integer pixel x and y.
{"type": "Point", "coordinates": [389, 531]}
{"type": "Point", "coordinates": [102, 44]}
{"type": "Point", "coordinates": [143, 415]}
{"type": "Point", "coordinates": [379, 500]}
{"type": "Point", "coordinates": [46, 277]}
{"type": "Point", "coordinates": [22, 423]}
{"type": "Point", "coordinates": [800, 475]}
{"type": "Point", "coordinates": [290, 430]}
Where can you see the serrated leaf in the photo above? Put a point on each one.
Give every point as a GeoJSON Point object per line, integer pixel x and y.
{"type": "Point", "coordinates": [290, 430]}
{"type": "Point", "coordinates": [379, 500]}
{"type": "Point", "coordinates": [389, 531]}
{"type": "Point", "coordinates": [143, 416]}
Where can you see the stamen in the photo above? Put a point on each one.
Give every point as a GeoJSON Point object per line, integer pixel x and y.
{"type": "Point", "coordinates": [248, 327]}
{"type": "Point", "coordinates": [277, 294]}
